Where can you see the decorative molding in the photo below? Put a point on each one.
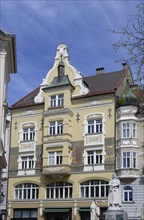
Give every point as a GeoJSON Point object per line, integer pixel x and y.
{"type": "Point", "coordinates": [28, 112]}
{"type": "Point", "coordinates": [28, 146]}
{"type": "Point", "coordinates": [95, 102]}
{"type": "Point", "coordinates": [94, 139]}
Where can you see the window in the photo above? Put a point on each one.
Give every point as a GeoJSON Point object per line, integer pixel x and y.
{"type": "Point", "coordinates": [57, 100]}
{"type": "Point", "coordinates": [94, 157]}
{"type": "Point", "coordinates": [59, 190]}
{"type": "Point", "coordinates": [129, 159]}
{"type": "Point", "coordinates": [55, 158]}
{"type": "Point", "coordinates": [26, 191]}
{"type": "Point", "coordinates": [28, 133]}
{"type": "Point", "coordinates": [56, 127]}
{"type": "Point", "coordinates": [25, 213]}
{"type": "Point", "coordinates": [127, 194]}
{"type": "Point", "coordinates": [134, 130]}
{"type": "Point", "coordinates": [129, 130]}
{"type": "Point", "coordinates": [94, 126]}
{"type": "Point", "coordinates": [126, 130]}
{"type": "Point", "coordinates": [94, 188]}
{"type": "Point", "coordinates": [27, 162]}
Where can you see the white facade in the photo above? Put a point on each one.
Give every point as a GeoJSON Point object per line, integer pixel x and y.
{"type": "Point", "coordinates": [7, 66]}
{"type": "Point", "coordinates": [130, 160]}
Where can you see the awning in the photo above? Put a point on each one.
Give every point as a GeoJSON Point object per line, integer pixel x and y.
{"type": "Point", "coordinates": [51, 210]}
{"type": "Point", "coordinates": [84, 209]}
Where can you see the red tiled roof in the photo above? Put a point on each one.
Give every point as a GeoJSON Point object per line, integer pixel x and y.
{"type": "Point", "coordinates": [98, 85]}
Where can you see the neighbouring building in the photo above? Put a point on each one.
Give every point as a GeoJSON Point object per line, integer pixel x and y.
{"type": "Point", "coordinates": [130, 151]}
{"type": "Point", "coordinates": [7, 66]}
{"type": "Point", "coordinates": [63, 143]}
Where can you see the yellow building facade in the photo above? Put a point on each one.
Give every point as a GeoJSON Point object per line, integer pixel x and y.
{"type": "Point", "coordinates": [63, 144]}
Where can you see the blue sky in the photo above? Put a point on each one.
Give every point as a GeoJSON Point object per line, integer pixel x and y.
{"type": "Point", "coordinates": [83, 25]}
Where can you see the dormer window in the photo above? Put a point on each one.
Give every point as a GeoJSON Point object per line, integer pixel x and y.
{"type": "Point", "coordinates": [57, 100]}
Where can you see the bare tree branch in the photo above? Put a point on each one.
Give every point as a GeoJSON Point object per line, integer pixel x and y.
{"type": "Point", "coordinates": [132, 40]}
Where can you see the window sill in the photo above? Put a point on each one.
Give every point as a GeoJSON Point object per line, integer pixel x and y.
{"type": "Point", "coordinates": [27, 141]}
{"type": "Point", "coordinates": [128, 202]}
{"type": "Point", "coordinates": [56, 107]}
{"type": "Point", "coordinates": [93, 133]}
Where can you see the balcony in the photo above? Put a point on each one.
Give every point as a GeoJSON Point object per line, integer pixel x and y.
{"type": "Point", "coordinates": [57, 171]}
{"type": "Point", "coordinates": [128, 173]}
{"type": "Point", "coordinates": [127, 142]}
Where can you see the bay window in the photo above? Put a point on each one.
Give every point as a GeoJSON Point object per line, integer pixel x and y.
{"type": "Point", "coordinates": [128, 130]}
{"type": "Point", "coordinates": [129, 160]}
{"type": "Point", "coordinates": [55, 158]}
{"type": "Point", "coordinates": [56, 127]}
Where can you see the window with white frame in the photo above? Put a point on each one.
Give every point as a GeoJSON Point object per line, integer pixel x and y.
{"type": "Point", "coordinates": [94, 156]}
{"type": "Point", "coordinates": [133, 130]}
{"type": "Point", "coordinates": [27, 162]}
{"type": "Point", "coordinates": [94, 126]}
{"type": "Point", "coordinates": [129, 160]}
{"type": "Point", "coordinates": [128, 130]}
{"type": "Point", "coordinates": [57, 100]}
{"type": "Point", "coordinates": [59, 190]}
{"type": "Point", "coordinates": [28, 133]}
{"type": "Point", "coordinates": [56, 127]}
{"type": "Point", "coordinates": [94, 188]}
{"type": "Point", "coordinates": [26, 191]}
{"type": "Point", "coordinates": [55, 158]}
{"type": "Point", "coordinates": [127, 194]}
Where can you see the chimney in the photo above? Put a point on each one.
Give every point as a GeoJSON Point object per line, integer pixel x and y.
{"type": "Point", "coordinates": [125, 66]}
{"type": "Point", "coordinates": [100, 70]}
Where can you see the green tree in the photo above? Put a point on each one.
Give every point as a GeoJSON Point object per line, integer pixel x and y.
{"type": "Point", "coordinates": [132, 40]}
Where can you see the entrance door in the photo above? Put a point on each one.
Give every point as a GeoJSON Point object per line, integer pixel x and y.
{"type": "Point", "coordinates": [85, 215]}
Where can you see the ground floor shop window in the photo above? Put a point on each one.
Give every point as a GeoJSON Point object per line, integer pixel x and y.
{"type": "Point", "coordinates": [25, 214]}
{"type": "Point", "coordinates": [85, 213]}
{"type": "Point", "coordinates": [57, 214]}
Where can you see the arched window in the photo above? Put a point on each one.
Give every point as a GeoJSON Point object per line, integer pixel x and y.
{"type": "Point", "coordinates": [127, 194]}
{"type": "Point", "coordinates": [26, 191]}
{"type": "Point", "coordinates": [59, 190]}
{"type": "Point", "coordinates": [94, 188]}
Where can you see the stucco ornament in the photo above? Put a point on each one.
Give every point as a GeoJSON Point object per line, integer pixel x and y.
{"type": "Point", "coordinates": [62, 51]}
{"type": "Point", "coordinates": [114, 197]}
